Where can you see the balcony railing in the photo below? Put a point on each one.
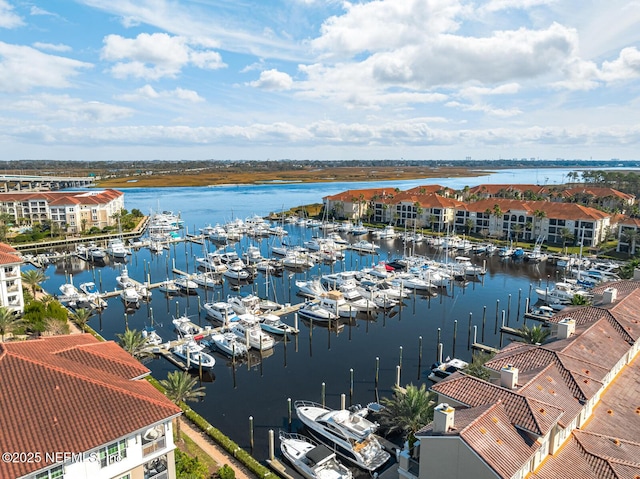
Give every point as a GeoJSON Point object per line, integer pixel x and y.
{"type": "Point", "coordinates": [151, 447]}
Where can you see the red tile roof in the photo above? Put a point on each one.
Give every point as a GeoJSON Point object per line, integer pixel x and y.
{"type": "Point", "coordinates": [491, 189]}
{"type": "Point", "coordinates": [356, 195]}
{"type": "Point", "coordinates": [597, 191]}
{"type": "Point", "coordinates": [46, 384]}
{"type": "Point", "coordinates": [527, 413]}
{"type": "Point", "coordinates": [65, 197]}
{"type": "Point", "coordinates": [430, 200]}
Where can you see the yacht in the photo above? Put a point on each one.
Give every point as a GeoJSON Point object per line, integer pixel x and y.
{"type": "Point", "coordinates": [168, 287]}
{"type": "Point", "coordinates": [388, 232]}
{"type": "Point", "coordinates": [311, 288]}
{"type": "Point", "coordinates": [130, 297]}
{"type": "Point", "coordinates": [185, 285]}
{"type": "Point", "coordinates": [364, 246]}
{"type": "Point", "coordinates": [311, 460]}
{"type": "Point", "coordinates": [315, 312]}
{"type": "Point", "coordinates": [235, 270]}
{"type": "Point", "coordinates": [348, 433]}
{"type": "Point", "coordinates": [206, 280]}
{"type": "Point", "coordinates": [272, 323]}
{"type": "Point", "coordinates": [220, 311]}
{"type": "Point", "coordinates": [186, 327]}
{"type": "Point", "coordinates": [116, 248]}
{"type": "Point", "coordinates": [123, 279]}
{"type": "Point", "coordinates": [440, 371]}
{"type": "Point", "coordinates": [247, 328]}
{"type": "Point", "coordinates": [562, 292]}
{"type": "Point", "coordinates": [153, 338]}
{"type": "Point", "coordinates": [228, 343]}
{"type": "Point", "coordinates": [93, 295]}
{"type": "Point", "coordinates": [248, 303]}
{"type": "Point", "coordinates": [194, 355]}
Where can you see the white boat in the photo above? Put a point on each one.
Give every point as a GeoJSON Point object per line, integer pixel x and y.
{"type": "Point", "coordinates": [350, 434]}
{"type": "Point", "coordinates": [123, 279]}
{"type": "Point", "coordinates": [388, 232]}
{"type": "Point", "coordinates": [248, 303]}
{"type": "Point", "coordinates": [334, 302]}
{"type": "Point", "coordinates": [152, 337]}
{"type": "Point", "coordinates": [228, 343]}
{"type": "Point", "coordinates": [313, 461]}
{"type": "Point", "coordinates": [311, 288]}
{"type": "Point", "coordinates": [220, 311]}
{"type": "Point", "coordinates": [95, 253]}
{"type": "Point", "coordinates": [218, 234]}
{"type": "Point", "coordinates": [116, 248]}
{"type": "Point", "coordinates": [297, 260]}
{"type": "Point", "coordinates": [235, 270]}
{"type": "Point", "coordinates": [186, 327]}
{"type": "Point", "coordinates": [315, 312]}
{"type": "Point", "coordinates": [168, 287]}
{"type": "Point", "coordinates": [440, 371]}
{"type": "Point", "coordinates": [248, 329]}
{"type": "Point", "coordinates": [364, 246]}
{"type": "Point", "coordinates": [92, 295]}
{"type": "Point", "coordinates": [212, 262]}
{"type": "Point", "coordinates": [253, 255]}
{"type": "Point", "coordinates": [359, 229]}
{"type": "Point", "coordinates": [156, 247]}
{"type": "Point", "coordinates": [540, 313]}
{"type": "Point", "coordinates": [194, 355]}
{"type": "Point", "coordinates": [206, 279]}
{"type": "Point", "coordinates": [130, 297]}
{"type": "Point", "coordinates": [467, 268]}
{"type": "Point", "coordinates": [562, 292]}
{"type": "Point", "coordinates": [185, 285]}
{"type": "Point", "coordinates": [272, 323]}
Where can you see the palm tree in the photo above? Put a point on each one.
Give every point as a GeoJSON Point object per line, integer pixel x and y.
{"type": "Point", "coordinates": [180, 387]}
{"type": "Point", "coordinates": [534, 335]}
{"type": "Point", "coordinates": [566, 235]}
{"type": "Point", "coordinates": [517, 230]}
{"type": "Point", "coordinates": [33, 278]}
{"type": "Point", "coordinates": [469, 224]}
{"type": "Point", "coordinates": [133, 342]}
{"type": "Point", "coordinates": [408, 410]}
{"type": "Point", "coordinates": [8, 321]}
{"type": "Point", "coordinates": [81, 317]}
{"type": "Point", "coordinates": [631, 237]}
{"type": "Point", "coordinates": [476, 366]}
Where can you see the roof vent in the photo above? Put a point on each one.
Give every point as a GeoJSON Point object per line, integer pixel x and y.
{"type": "Point", "coordinates": [509, 377]}
{"type": "Point", "coordinates": [566, 328]}
{"type": "Point", "coordinates": [443, 416]}
{"type": "Point", "coordinates": [609, 295]}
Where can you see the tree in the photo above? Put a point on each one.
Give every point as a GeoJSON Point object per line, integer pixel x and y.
{"type": "Point", "coordinates": [566, 235]}
{"type": "Point", "coordinates": [81, 317]}
{"type": "Point", "coordinates": [469, 224]}
{"type": "Point", "coordinates": [631, 237]}
{"type": "Point", "coordinates": [476, 366]}
{"type": "Point", "coordinates": [190, 467]}
{"type": "Point", "coordinates": [180, 387]}
{"type": "Point", "coordinates": [534, 335]}
{"type": "Point", "coordinates": [8, 321]}
{"type": "Point", "coordinates": [133, 342]}
{"type": "Point", "coordinates": [517, 230]}
{"type": "Point", "coordinates": [33, 278]}
{"type": "Point", "coordinates": [226, 472]}
{"type": "Point", "coordinates": [408, 410]}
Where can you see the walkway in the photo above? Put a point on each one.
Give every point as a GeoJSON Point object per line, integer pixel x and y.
{"type": "Point", "coordinates": [213, 450]}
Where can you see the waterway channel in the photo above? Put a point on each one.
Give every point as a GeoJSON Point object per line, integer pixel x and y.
{"type": "Point", "coordinates": [344, 359]}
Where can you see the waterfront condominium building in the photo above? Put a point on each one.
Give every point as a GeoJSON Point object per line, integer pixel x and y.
{"type": "Point", "coordinates": [74, 407]}
{"type": "Point", "coordinates": [10, 279]}
{"type": "Point", "coordinates": [72, 211]}
{"type": "Point", "coordinates": [566, 408]}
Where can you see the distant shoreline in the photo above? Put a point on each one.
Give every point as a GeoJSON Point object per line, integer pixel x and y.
{"type": "Point", "coordinates": [279, 177]}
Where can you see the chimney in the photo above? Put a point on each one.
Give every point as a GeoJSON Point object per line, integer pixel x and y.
{"type": "Point", "coordinates": [609, 295]}
{"type": "Point", "coordinates": [566, 328]}
{"type": "Point", "coordinates": [443, 415]}
{"type": "Point", "coordinates": [509, 377]}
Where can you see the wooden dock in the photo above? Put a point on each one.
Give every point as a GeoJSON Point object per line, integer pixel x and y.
{"type": "Point", "coordinates": [484, 348]}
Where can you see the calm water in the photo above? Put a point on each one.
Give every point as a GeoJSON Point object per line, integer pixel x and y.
{"type": "Point", "coordinates": [296, 369]}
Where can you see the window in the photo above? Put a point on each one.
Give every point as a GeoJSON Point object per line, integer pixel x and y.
{"type": "Point", "coordinates": [53, 473]}
{"type": "Point", "coordinates": [115, 452]}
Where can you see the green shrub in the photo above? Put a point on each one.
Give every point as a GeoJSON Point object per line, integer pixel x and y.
{"type": "Point", "coordinates": [191, 467]}
{"type": "Point", "coordinates": [226, 472]}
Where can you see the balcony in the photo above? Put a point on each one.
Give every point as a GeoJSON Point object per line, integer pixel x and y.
{"type": "Point", "coordinates": [153, 446]}
{"type": "Point", "coordinates": [156, 469]}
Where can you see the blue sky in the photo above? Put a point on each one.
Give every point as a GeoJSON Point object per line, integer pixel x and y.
{"type": "Point", "coordinates": [319, 79]}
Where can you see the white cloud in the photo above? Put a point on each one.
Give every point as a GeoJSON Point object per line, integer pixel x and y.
{"type": "Point", "coordinates": [273, 80]}
{"type": "Point", "coordinates": [498, 5]}
{"type": "Point", "coordinates": [9, 19]}
{"type": "Point", "coordinates": [54, 47]}
{"type": "Point", "coordinates": [154, 56]}
{"type": "Point", "coordinates": [147, 92]}
{"type": "Point", "coordinates": [57, 108]}
{"type": "Point", "coordinates": [625, 67]}
{"type": "Point", "coordinates": [23, 68]}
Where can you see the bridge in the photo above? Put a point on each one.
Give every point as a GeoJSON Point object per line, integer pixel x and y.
{"type": "Point", "coordinates": [43, 183]}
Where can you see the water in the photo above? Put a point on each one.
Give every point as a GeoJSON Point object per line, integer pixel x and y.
{"type": "Point", "coordinates": [298, 368]}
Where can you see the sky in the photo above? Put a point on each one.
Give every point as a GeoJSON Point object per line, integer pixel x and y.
{"type": "Point", "coordinates": [319, 79]}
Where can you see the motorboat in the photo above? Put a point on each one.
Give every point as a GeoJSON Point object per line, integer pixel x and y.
{"type": "Point", "coordinates": [358, 229]}
{"type": "Point", "coordinates": [236, 270]}
{"type": "Point", "coordinates": [335, 302]}
{"type": "Point", "coordinates": [212, 262]}
{"type": "Point", "coordinates": [220, 311]}
{"type": "Point", "coordinates": [248, 329]}
{"type": "Point", "coordinates": [387, 233]}
{"type": "Point", "coordinates": [442, 370]}
{"type": "Point", "coordinates": [272, 323]}
{"type": "Point", "coordinates": [186, 327]}
{"type": "Point", "coordinates": [194, 355]}
{"type": "Point", "coordinates": [540, 313]}
{"type": "Point", "coordinates": [116, 248]}
{"type": "Point", "coordinates": [185, 285]}
{"type": "Point", "coordinates": [168, 287]}
{"type": "Point", "coordinates": [297, 260]}
{"type": "Point", "coordinates": [228, 343]}
{"type": "Point", "coordinates": [364, 246]}
{"type": "Point", "coordinates": [130, 297]}
{"type": "Point", "coordinates": [95, 253]}
{"type": "Point", "coordinates": [206, 279]}
{"type": "Point", "coordinates": [123, 279]}
{"type": "Point", "coordinates": [253, 255]}
{"type": "Point", "coordinates": [248, 303]}
{"type": "Point", "coordinates": [311, 288]}
{"type": "Point", "coordinates": [315, 312]}
{"type": "Point", "coordinates": [313, 461]}
{"type": "Point", "coordinates": [151, 335]}
{"type": "Point", "coordinates": [348, 433]}
{"type": "Point", "coordinates": [562, 292]}
{"type": "Point", "coordinates": [92, 294]}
